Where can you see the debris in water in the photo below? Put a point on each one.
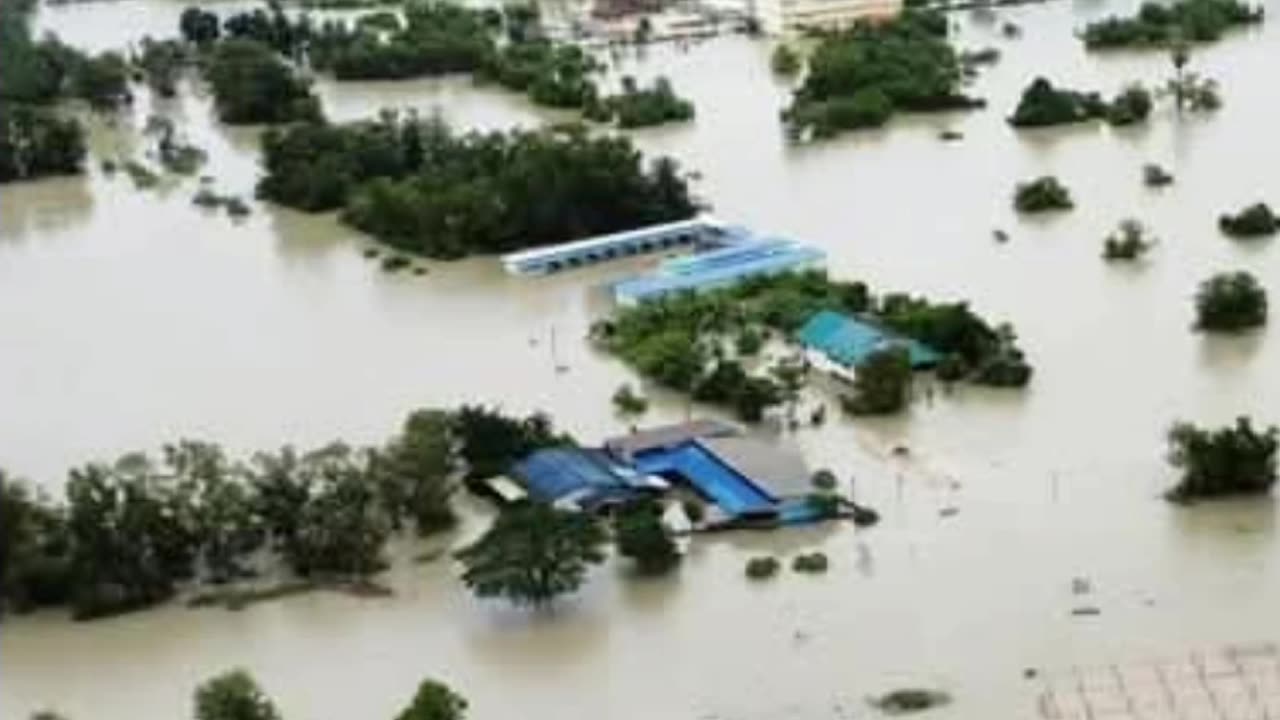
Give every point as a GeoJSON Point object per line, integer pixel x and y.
{"type": "Point", "coordinates": [1086, 611]}
{"type": "Point", "coordinates": [900, 450]}
{"type": "Point", "coordinates": [1081, 586]}
{"type": "Point", "coordinates": [1030, 673]}
{"type": "Point", "coordinates": [949, 511]}
{"type": "Point", "coordinates": [910, 700]}
{"type": "Point", "coordinates": [1000, 236]}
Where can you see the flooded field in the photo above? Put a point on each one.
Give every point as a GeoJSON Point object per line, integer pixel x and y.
{"type": "Point", "coordinates": [129, 318]}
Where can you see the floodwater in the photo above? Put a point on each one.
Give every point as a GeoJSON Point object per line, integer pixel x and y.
{"type": "Point", "coordinates": [129, 318]}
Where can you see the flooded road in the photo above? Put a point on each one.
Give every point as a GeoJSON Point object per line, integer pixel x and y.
{"type": "Point", "coordinates": [129, 318]}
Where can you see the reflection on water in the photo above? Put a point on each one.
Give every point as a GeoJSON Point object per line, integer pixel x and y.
{"type": "Point", "coordinates": [128, 318]}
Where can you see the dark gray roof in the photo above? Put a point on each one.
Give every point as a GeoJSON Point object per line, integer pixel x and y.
{"type": "Point", "coordinates": [775, 466]}
{"type": "Point", "coordinates": [665, 436]}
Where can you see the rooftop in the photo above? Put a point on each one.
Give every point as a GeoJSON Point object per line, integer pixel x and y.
{"type": "Point", "coordinates": [718, 268]}
{"type": "Point", "coordinates": [624, 447]}
{"type": "Point", "coordinates": [849, 341]}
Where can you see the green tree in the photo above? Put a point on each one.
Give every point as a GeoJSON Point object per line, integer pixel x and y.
{"type": "Point", "coordinates": [785, 61]}
{"type": "Point", "coordinates": [199, 26]}
{"type": "Point", "coordinates": [1231, 460]}
{"type": "Point", "coordinates": [434, 701]}
{"type": "Point", "coordinates": [531, 554]}
{"type": "Point", "coordinates": [881, 383]}
{"type": "Point", "coordinates": [1130, 241]}
{"type": "Point", "coordinates": [1231, 302]}
{"type": "Point", "coordinates": [1043, 194]}
{"type": "Point", "coordinates": [233, 695]}
{"type": "Point", "coordinates": [489, 442]}
{"type": "Point", "coordinates": [1257, 220]}
{"type": "Point", "coordinates": [252, 85]}
{"type": "Point", "coordinates": [628, 403]}
{"type": "Point", "coordinates": [642, 537]}
{"type": "Point", "coordinates": [416, 472]}
{"type": "Point", "coordinates": [343, 527]}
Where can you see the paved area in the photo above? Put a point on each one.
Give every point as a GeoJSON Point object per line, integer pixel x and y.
{"type": "Point", "coordinates": [1231, 683]}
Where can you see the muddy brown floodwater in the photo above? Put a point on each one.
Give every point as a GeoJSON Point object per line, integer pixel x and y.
{"type": "Point", "coordinates": [128, 318]}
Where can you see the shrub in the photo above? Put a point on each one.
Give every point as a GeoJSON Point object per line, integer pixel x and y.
{"type": "Point", "coordinates": [1155, 176]}
{"type": "Point", "coordinates": [1129, 242]}
{"type": "Point", "coordinates": [785, 61]}
{"type": "Point", "coordinates": [1043, 194]}
{"type": "Point", "coordinates": [762, 568]}
{"type": "Point", "coordinates": [1131, 106]}
{"type": "Point", "coordinates": [815, 562]}
{"type": "Point", "coordinates": [1254, 221]}
{"type": "Point", "coordinates": [1231, 460]}
{"type": "Point", "coordinates": [1231, 302]}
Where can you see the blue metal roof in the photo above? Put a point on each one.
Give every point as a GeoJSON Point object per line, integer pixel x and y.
{"type": "Point", "coordinates": [555, 473]}
{"type": "Point", "coordinates": [718, 268]}
{"type": "Point", "coordinates": [848, 341]}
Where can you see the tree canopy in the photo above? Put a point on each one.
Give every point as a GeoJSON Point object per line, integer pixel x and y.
{"type": "Point", "coordinates": [233, 695]}
{"type": "Point", "coordinates": [642, 538]}
{"type": "Point", "coordinates": [1232, 460]}
{"type": "Point", "coordinates": [1043, 194]}
{"type": "Point", "coordinates": [420, 187]}
{"type": "Point", "coordinates": [252, 85]}
{"type": "Point", "coordinates": [1044, 105]}
{"type": "Point", "coordinates": [862, 76]}
{"type": "Point", "coordinates": [1257, 220]}
{"type": "Point", "coordinates": [881, 383]}
{"type": "Point", "coordinates": [532, 554]}
{"type": "Point", "coordinates": [1231, 302]}
{"type": "Point", "coordinates": [1158, 24]}
{"type": "Point", "coordinates": [434, 701]}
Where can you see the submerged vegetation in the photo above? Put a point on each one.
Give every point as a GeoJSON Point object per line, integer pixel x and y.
{"type": "Point", "coordinates": [1232, 460]}
{"type": "Point", "coordinates": [688, 342]}
{"type": "Point", "coordinates": [251, 84]}
{"type": "Point", "coordinates": [421, 188]}
{"type": "Point", "coordinates": [1043, 194]}
{"type": "Point", "coordinates": [1044, 105]}
{"type": "Point", "coordinates": [1231, 302]}
{"type": "Point", "coordinates": [1159, 25]}
{"type": "Point", "coordinates": [1130, 241]}
{"type": "Point", "coordinates": [1257, 220]}
{"type": "Point", "coordinates": [860, 77]}
{"type": "Point", "coordinates": [130, 534]}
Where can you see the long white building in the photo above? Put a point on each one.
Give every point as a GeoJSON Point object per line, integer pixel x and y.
{"type": "Point", "coordinates": [787, 17]}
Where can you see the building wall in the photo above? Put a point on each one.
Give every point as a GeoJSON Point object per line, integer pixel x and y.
{"type": "Point", "coordinates": [783, 17]}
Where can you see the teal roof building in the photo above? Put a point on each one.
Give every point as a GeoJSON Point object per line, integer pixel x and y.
{"type": "Point", "coordinates": [848, 341]}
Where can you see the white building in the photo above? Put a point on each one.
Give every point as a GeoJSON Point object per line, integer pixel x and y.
{"type": "Point", "coordinates": [786, 17]}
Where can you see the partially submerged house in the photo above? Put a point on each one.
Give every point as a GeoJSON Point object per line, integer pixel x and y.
{"type": "Point", "coordinates": [580, 478]}
{"type": "Point", "coordinates": [837, 343]}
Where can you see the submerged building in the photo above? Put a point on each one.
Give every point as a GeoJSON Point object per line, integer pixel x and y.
{"type": "Point", "coordinates": [837, 343]}
{"type": "Point", "coordinates": [747, 256]}
{"type": "Point", "coordinates": [787, 17]}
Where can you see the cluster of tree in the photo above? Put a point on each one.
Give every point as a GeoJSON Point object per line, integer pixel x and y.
{"type": "Point", "coordinates": [1231, 302]}
{"type": "Point", "coordinates": [434, 39]}
{"type": "Point", "coordinates": [639, 107]}
{"type": "Point", "coordinates": [1130, 241]}
{"type": "Point", "coordinates": [688, 342]}
{"type": "Point", "coordinates": [549, 73]}
{"type": "Point", "coordinates": [418, 186]}
{"type": "Point", "coordinates": [1232, 460]}
{"type": "Point", "coordinates": [1257, 220]}
{"type": "Point", "coordinates": [860, 77]}
{"type": "Point", "coordinates": [1044, 105]}
{"type": "Point", "coordinates": [235, 695]}
{"type": "Point", "coordinates": [251, 84]}
{"type": "Point", "coordinates": [129, 533]}
{"type": "Point", "coordinates": [1043, 194]}
{"type": "Point", "coordinates": [35, 140]}
{"type": "Point", "coordinates": [1158, 24]}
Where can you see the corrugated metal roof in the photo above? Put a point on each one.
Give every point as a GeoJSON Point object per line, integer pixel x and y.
{"type": "Point", "coordinates": [556, 473]}
{"type": "Point", "coordinates": [664, 436]}
{"type": "Point", "coordinates": [718, 268]}
{"type": "Point", "coordinates": [848, 341]}
{"type": "Point", "coordinates": [778, 468]}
